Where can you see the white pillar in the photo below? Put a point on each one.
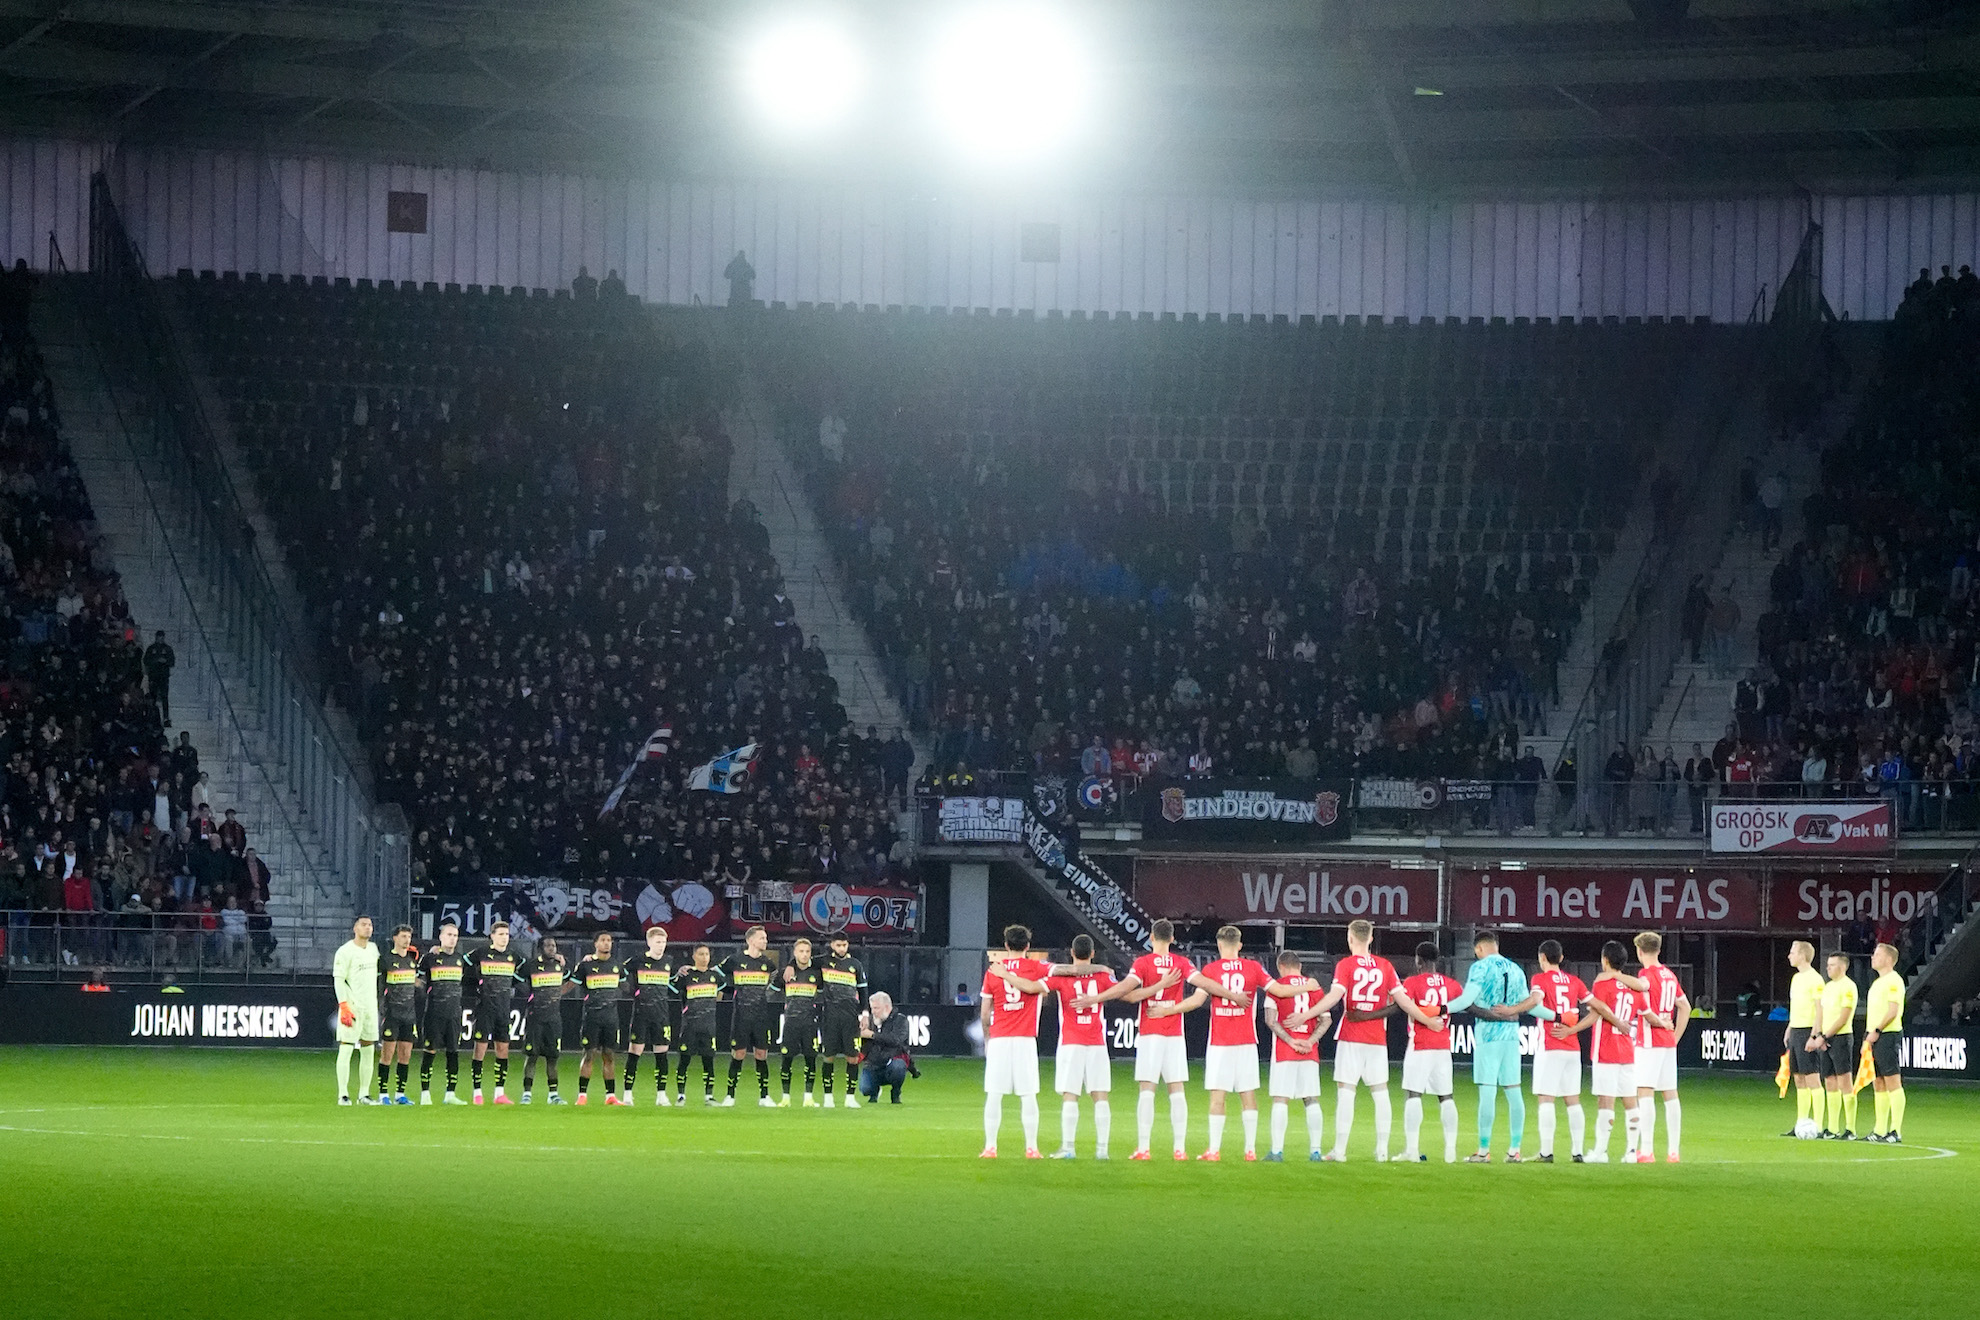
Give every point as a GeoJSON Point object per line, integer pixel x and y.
{"type": "Point", "coordinates": [969, 924]}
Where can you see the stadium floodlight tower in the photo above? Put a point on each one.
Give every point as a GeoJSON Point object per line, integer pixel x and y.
{"type": "Point", "coordinates": [1009, 84]}
{"type": "Point", "coordinates": [804, 74]}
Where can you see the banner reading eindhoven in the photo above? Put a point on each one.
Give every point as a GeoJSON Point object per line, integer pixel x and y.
{"type": "Point", "coordinates": [1246, 811]}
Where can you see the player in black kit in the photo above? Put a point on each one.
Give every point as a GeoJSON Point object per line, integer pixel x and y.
{"type": "Point", "coordinates": [801, 982]}
{"type": "Point", "coordinates": [599, 978]}
{"type": "Point", "coordinates": [442, 969]}
{"type": "Point", "coordinates": [398, 986]}
{"type": "Point", "coordinates": [652, 977]}
{"type": "Point", "coordinates": [543, 1028]}
{"type": "Point", "coordinates": [491, 974]}
{"type": "Point", "coordinates": [844, 996]}
{"type": "Point", "coordinates": [700, 988]}
{"type": "Point", "coordinates": [754, 1022]}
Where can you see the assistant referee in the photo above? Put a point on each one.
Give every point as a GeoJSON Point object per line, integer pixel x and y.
{"type": "Point", "coordinates": [1834, 1045]}
{"type": "Point", "coordinates": [1804, 1010]}
{"type": "Point", "coordinates": [1885, 1033]}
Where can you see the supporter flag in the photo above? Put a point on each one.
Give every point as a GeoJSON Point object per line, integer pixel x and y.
{"type": "Point", "coordinates": [655, 747]}
{"type": "Point", "coordinates": [727, 773]}
{"type": "Point", "coordinates": [1866, 1071]}
{"type": "Point", "coordinates": [1781, 1077]}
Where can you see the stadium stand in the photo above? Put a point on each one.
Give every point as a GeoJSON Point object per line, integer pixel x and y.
{"type": "Point", "coordinates": [1868, 643]}
{"type": "Point", "coordinates": [508, 516]}
{"type": "Point", "coordinates": [109, 851]}
{"type": "Point", "coordinates": [1230, 546]}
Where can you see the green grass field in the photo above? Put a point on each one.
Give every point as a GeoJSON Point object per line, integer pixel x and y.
{"type": "Point", "coordinates": [213, 1183]}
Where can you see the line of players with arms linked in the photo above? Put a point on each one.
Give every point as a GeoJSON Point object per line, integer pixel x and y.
{"type": "Point", "coordinates": [1635, 1019]}
{"type": "Point", "coordinates": [398, 996]}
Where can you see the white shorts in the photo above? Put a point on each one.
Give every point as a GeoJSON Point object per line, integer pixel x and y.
{"type": "Point", "coordinates": [1010, 1065]}
{"type": "Point", "coordinates": [1427, 1072]}
{"type": "Point", "coordinates": [1614, 1079]}
{"type": "Point", "coordinates": [1161, 1059]}
{"type": "Point", "coordinates": [1367, 1064]}
{"type": "Point", "coordinates": [364, 1029]}
{"type": "Point", "coordinates": [1078, 1069]}
{"type": "Point", "coordinates": [1295, 1079]}
{"type": "Point", "coordinates": [1557, 1073]}
{"type": "Point", "coordinates": [1230, 1068]}
{"type": "Point", "coordinates": [1656, 1068]}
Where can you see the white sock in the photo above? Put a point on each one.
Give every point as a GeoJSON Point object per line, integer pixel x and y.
{"type": "Point", "coordinates": [993, 1118]}
{"type": "Point", "coordinates": [1028, 1112]}
{"type": "Point", "coordinates": [1316, 1127]}
{"type": "Point", "coordinates": [1144, 1120]}
{"type": "Point", "coordinates": [1412, 1125]}
{"type": "Point", "coordinates": [1179, 1116]}
{"type": "Point", "coordinates": [1577, 1129]}
{"type": "Point", "coordinates": [1632, 1131]}
{"type": "Point", "coordinates": [1646, 1124]}
{"type": "Point", "coordinates": [1673, 1126]}
{"type": "Point", "coordinates": [1447, 1110]}
{"type": "Point", "coordinates": [1249, 1118]}
{"type": "Point", "coordinates": [1605, 1119]}
{"type": "Point", "coordinates": [367, 1070]}
{"type": "Point", "coordinates": [1281, 1119]}
{"type": "Point", "coordinates": [1068, 1123]}
{"type": "Point", "coordinates": [344, 1053]}
{"type": "Point", "coordinates": [1548, 1120]}
{"type": "Point", "coordinates": [1343, 1122]}
{"type": "Point", "coordinates": [1384, 1117]}
{"type": "Point", "coordinates": [1216, 1131]}
{"type": "Point", "coordinates": [1103, 1125]}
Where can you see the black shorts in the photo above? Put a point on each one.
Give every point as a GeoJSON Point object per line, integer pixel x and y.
{"type": "Point", "coordinates": [442, 1028]}
{"type": "Point", "coordinates": [1800, 1062]}
{"type": "Point", "coordinates": [840, 1035]}
{"type": "Point", "coordinates": [649, 1026]}
{"type": "Point", "coordinates": [1839, 1057]}
{"type": "Point", "coordinates": [752, 1028]}
{"type": "Point", "coordinates": [800, 1034]}
{"type": "Point", "coordinates": [1884, 1053]}
{"type": "Point", "coordinates": [491, 1022]}
{"type": "Point", "coordinates": [601, 1031]}
{"type": "Point", "coordinates": [545, 1035]}
{"type": "Point", "coordinates": [400, 1025]}
{"type": "Point", "coordinates": [697, 1037]}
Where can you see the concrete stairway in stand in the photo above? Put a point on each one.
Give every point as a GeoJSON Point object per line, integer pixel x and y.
{"type": "Point", "coordinates": [143, 537]}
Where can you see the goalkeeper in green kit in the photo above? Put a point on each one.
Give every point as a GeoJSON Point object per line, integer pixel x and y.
{"type": "Point", "coordinates": [355, 974]}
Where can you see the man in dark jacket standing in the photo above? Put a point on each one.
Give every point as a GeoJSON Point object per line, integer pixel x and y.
{"type": "Point", "coordinates": [158, 662]}
{"type": "Point", "coordinates": [886, 1062]}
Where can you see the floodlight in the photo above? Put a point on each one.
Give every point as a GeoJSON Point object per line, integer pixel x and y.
{"type": "Point", "coordinates": [1009, 82]}
{"type": "Point", "coordinates": [804, 74]}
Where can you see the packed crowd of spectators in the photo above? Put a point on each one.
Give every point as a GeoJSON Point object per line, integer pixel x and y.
{"type": "Point", "coordinates": [109, 847]}
{"type": "Point", "coordinates": [1867, 673]}
{"type": "Point", "coordinates": [1050, 595]}
{"type": "Point", "coordinates": [510, 522]}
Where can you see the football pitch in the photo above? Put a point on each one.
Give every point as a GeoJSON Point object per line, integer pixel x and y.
{"type": "Point", "coordinates": [214, 1183]}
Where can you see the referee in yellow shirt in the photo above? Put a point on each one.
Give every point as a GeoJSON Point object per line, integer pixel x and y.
{"type": "Point", "coordinates": [1804, 1007]}
{"type": "Point", "coordinates": [1833, 1043]}
{"type": "Point", "coordinates": [1885, 1023]}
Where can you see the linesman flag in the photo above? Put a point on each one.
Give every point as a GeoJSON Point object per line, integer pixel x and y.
{"type": "Point", "coordinates": [657, 745]}
{"type": "Point", "coordinates": [1866, 1070]}
{"type": "Point", "coordinates": [1781, 1077]}
{"type": "Point", "coordinates": [727, 773]}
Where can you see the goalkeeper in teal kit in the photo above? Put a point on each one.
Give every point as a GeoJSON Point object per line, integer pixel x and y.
{"type": "Point", "coordinates": [1495, 992]}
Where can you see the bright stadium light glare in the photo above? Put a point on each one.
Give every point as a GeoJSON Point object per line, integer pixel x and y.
{"type": "Point", "coordinates": [804, 74]}
{"type": "Point", "coordinates": [1009, 83]}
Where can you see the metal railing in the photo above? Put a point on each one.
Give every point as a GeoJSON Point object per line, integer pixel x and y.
{"type": "Point", "coordinates": [142, 947]}
{"type": "Point", "coordinates": [211, 544]}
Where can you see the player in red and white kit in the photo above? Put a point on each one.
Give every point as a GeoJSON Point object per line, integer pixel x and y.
{"type": "Point", "coordinates": [1160, 1058]}
{"type": "Point", "coordinates": [1081, 1063]}
{"type": "Point", "coordinates": [1658, 1030]}
{"type": "Point", "coordinates": [1230, 1063]}
{"type": "Point", "coordinates": [1295, 1057]}
{"type": "Point", "coordinates": [1012, 987]}
{"type": "Point", "coordinates": [1361, 1043]}
{"type": "Point", "coordinates": [1557, 1063]}
{"type": "Point", "coordinates": [1427, 1063]}
{"type": "Point", "coordinates": [1612, 1010]}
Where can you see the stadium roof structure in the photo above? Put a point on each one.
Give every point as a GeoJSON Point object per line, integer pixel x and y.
{"type": "Point", "coordinates": [1290, 97]}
